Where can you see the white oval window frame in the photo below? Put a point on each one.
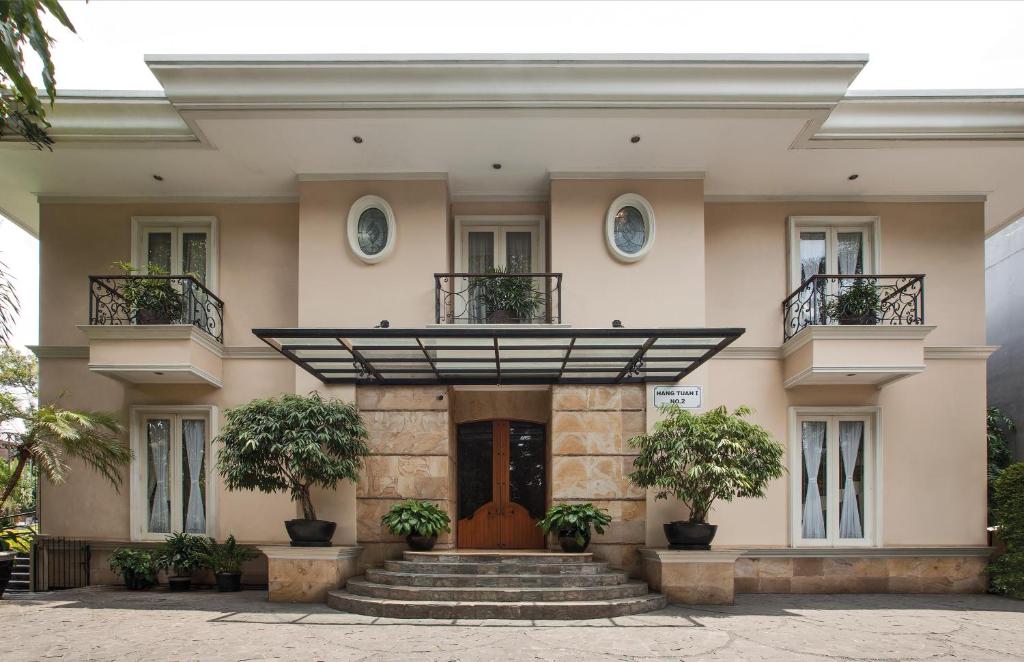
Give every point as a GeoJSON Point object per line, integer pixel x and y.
{"type": "Point", "coordinates": [357, 209]}
{"type": "Point", "coordinates": [646, 211]}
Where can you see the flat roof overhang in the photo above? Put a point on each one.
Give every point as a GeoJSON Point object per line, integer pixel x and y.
{"type": "Point", "coordinates": [488, 355]}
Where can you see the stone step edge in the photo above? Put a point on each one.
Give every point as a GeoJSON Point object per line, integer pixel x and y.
{"type": "Point", "coordinates": [549, 591]}
{"type": "Point", "coordinates": [619, 574]}
{"type": "Point", "coordinates": [517, 568]}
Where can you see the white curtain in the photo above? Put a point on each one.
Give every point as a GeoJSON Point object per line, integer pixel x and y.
{"type": "Point", "coordinates": [813, 441]}
{"type": "Point", "coordinates": [479, 260]}
{"type": "Point", "coordinates": [159, 453]}
{"type": "Point", "coordinates": [849, 251]}
{"type": "Point", "coordinates": [851, 435]}
{"type": "Point", "coordinates": [194, 437]}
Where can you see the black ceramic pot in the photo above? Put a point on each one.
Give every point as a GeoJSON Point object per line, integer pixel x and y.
{"type": "Point", "coordinates": [134, 581]}
{"type": "Point", "coordinates": [568, 542]}
{"type": "Point", "coordinates": [420, 543]}
{"type": "Point", "coordinates": [228, 582]}
{"type": "Point", "coordinates": [310, 532]}
{"type": "Point", "coordinates": [179, 583]}
{"type": "Point", "coordinates": [690, 535]}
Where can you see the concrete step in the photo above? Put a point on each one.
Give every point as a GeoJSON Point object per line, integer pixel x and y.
{"type": "Point", "coordinates": [450, 556]}
{"type": "Point", "coordinates": [496, 568]}
{"type": "Point", "coordinates": [380, 607]}
{"type": "Point", "coordinates": [378, 576]}
{"type": "Point", "coordinates": [362, 586]}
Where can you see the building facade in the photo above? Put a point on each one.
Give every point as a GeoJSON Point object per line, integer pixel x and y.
{"type": "Point", "coordinates": [334, 225]}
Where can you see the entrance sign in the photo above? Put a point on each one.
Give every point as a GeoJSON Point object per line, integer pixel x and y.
{"type": "Point", "coordinates": [687, 397]}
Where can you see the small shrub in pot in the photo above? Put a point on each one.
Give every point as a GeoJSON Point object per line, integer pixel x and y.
{"type": "Point", "coordinates": [419, 521]}
{"type": "Point", "coordinates": [226, 560]}
{"type": "Point", "coordinates": [573, 523]}
{"type": "Point", "coordinates": [136, 566]}
{"type": "Point", "coordinates": [179, 555]}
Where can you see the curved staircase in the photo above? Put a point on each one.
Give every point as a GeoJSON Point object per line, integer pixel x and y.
{"type": "Point", "coordinates": [513, 585]}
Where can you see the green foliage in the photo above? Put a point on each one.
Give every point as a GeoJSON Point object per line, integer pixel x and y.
{"type": "Point", "coordinates": [1007, 572]}
{"type": "Point", "coordinates": [23, 496]}
{"type": "Point", "coordinates": [21, 110]}
{"type": "Point", "coordinates": [413, 516]}
{"type": "Point", "coordinates": [181, 553]}
{"type": "Point", "coordinates": [290, 444]}
{"type": "Point", "coordinates": [152, 300]}
{"type": "Point", "coordinates": [227, 557]}
{"type": "Point", "coordinates": [508, 291]}
{"type": "Point", "coordinates": [699, 458]}
{"type": "Point", "coordinates": [138, 563]}
{"type": "Point", "coordinates": [998, 425]}
{"type": "Point", "coordinates": [858, 301]}
{"type": "Point", "coordinates": [575, 520]}
{"type": "Point", "coordinates": [17, 538]}
{"type": "Point", "coordinates": [9, 304]}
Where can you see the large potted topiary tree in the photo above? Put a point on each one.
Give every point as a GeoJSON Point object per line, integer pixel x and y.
{"type": "Point", "coordinates": [291, 444]}
{"type": "Point", "coordinates": [700, 458]}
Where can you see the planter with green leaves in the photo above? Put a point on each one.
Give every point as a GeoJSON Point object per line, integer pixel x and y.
{"type": "Point", "coordinates": [856, 303]}
{"type": "Point", "coordinates": [292, 444]}
{"type": "Point", "coordinates": [136, 566]}
{"type": "Point", "coordinates": [573, 523]}
{"type": "Point", "coordinates": [226, 560]}
{"type": "Point", "coordinates": [506, 297]}
{"type": "Point", "coordinates": [419, 521]}
{"type": "Point", "coordinates": [179, 555]}
{"type": "Point", "coordinates": [151, 300]}
{"type": "Point", "coordinates": [701, 458]}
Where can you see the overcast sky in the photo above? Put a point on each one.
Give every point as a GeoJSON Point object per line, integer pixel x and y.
{"type": "Point", "coordinates": [913, 45]}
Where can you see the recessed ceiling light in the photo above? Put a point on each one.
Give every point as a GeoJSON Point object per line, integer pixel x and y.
{"type": "Point", "coordinates": [357, 140]}
{"type": "Point", "coordinates": [496, 166]}
{"type": "Point", "coordinates": [634, 139]}
{"type": "Point", "coordinates": [853, 177]}
{"type": "Point", "coordinates": [158, 178]}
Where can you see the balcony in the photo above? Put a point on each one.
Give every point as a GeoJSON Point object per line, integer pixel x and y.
{"type": "Point", "coordinates": [866, 329]}
{"type": "Point", "coordinates": [498, 298]}
{"type": "Point", "coordinates": [155, 329]}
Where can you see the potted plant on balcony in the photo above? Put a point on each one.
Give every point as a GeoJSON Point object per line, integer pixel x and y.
{"type": "Point", "coordinates": [136, 566]}
{"type": "Point", "coordinates": [507, 297]}
{"type": "Point", "coordinates": [573, 523]}
{"type": "Point", "coordinates": [856, 303]}
{"type": "Point", "coordinates": [419, 521]}
{"type": "Point", "coordinates": [291, 444]}
{"type": "Point", "coordinates": [226, 562]}
{"type": "Point", "coordinates": [179, 555]}
{"type": "Point", "coordinates": [150, 300]}
{"type": "Point", "coordinates": [700, 458]}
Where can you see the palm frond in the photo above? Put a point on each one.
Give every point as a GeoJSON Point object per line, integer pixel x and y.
{"type": "Point", "coordinates": [55, 434]}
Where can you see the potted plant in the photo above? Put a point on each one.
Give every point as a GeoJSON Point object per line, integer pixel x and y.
{"type": "Point", "coordinates": [13, 540]}
{"type": "Point", "coordinates": [573, 523]}
{"type": "Point", "coordinates": [292, 444]}
{"type": "Point", "coordinates": [699, 458]}
{"type": "Point", "coordinates": [180, 554]}
{"type": "Point", "coordinates": [506, 297]}
{"type": "Point", "coordinates": [136, 566]}
{"type": "Point", "coordinates": [226, 562]}
{"type": "Point", "coordinates": [150, 300]}
{"type": "Point", "coordinates": [419, 521]}
{"type": "Point", "coordinates": [857, 303]}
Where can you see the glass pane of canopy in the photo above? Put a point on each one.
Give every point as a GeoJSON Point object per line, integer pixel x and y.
{"type": "Point", "coordinates": [482, 355]}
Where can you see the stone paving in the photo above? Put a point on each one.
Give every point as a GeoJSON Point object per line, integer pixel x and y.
{"type": "Point", "coordinates": [105, 623]}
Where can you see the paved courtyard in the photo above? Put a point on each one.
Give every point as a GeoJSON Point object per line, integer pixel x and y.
{"type": "Point", "coordinates": [111, 624]}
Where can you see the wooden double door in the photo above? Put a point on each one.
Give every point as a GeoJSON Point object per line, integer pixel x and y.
{"type": "Point", "coordinates": [502, 484]}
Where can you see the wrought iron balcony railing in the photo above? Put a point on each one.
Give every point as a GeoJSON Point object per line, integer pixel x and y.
{"type": "Point", "coordinates": [860, 300]}
{"type": "Point", "coordinates": [498, 298]}
{"type": "Point", "coordinates": [152, 299]}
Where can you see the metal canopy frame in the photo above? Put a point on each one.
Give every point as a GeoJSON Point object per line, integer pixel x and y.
{"type": "Point", "coordinates": [487, 355]}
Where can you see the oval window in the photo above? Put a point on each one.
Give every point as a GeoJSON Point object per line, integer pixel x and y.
{"type": "Point", "coordinates": [630, 227]}
{"type": "Point", "coordinates": [371, 228]}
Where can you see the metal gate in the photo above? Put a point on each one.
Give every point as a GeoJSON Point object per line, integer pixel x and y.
{"type": "Point", "coordinates": [60, 563]}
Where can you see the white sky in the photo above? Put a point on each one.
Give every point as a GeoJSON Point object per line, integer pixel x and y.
{"type": "Point", "coordinates": [912, 45]}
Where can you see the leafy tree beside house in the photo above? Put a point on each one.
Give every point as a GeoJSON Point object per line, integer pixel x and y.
{"type": "Point", "coordinates": [998, 428]}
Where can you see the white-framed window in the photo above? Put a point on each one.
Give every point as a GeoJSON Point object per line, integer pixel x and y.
{"type": "Point", "coordinates": [835, 476]}
{"type": "Point", "coordinates": [178, 245]}
{"type": "Point", "coordinates": [629, 227]}
{"type": "Point", "coordinates": [834, 245]}
{"type": "Point", "coordinates": [371, 229]}
{"type": "Point", "coordinates": [173, 485]}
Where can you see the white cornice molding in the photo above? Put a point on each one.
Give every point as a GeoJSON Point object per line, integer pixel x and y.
{"type": "Point", "coordinates": [82, 352]}
{"type": "Point", "coordinates": [854, 332]}
{"type": "Point", "coordinates": [371, 176]}
{"type": "Point", "coordinates": [83, 116]}
{"type": "Point", "coordinates": [929, 198]}
{"type": "Point", "coordinates": [287, 552]}
{"type": "Point", "coordinates": [750, 353]}
{"type": "Point", "coordinates": [118, 371]}
{"type": "Point", "coordinates": [969, 353]}
{"type": "Point", "coordinates": [632, 174]}
{"type": "Point", "coordinates": [46, 198]}
{"type": "Point", "coordinates": [152, 332]}
{"type": "Point", "coordinates": [505, 81]}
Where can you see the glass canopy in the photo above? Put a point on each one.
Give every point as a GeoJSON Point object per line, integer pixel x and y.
{"type": "Point", "coordinates": [483, 355]}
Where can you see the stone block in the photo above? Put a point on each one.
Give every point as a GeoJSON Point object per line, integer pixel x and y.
{"type": "Point", "coordinates": [569, 443]}
{"type": "Point", "coordinates": [622, 556]}
{"type": "Point", "coordinates": [407, 432]}
{"type": "Point", "coordinates": [405, 477]}
{"type": "Point", "coordinates": [307, 574]}
{"type": "Point", "coordinates": [369, 528]}
{"type": "Point", "coordinates": [746, 585]}
{"type": "Point", "coordinates": [692, 577]}
{"type": "Point", "coordinates": [401, 398]}
{"type": "Point", "coordinates": [633, 397]}
{"type": "Point", "coordinates": [808, 567]}
{"type": "Point", "coordinates": [568, 398]}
